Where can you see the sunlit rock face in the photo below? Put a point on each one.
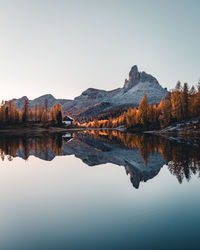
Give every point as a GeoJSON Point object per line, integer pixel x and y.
{"type": "Point", "coordinates": [96, 102]}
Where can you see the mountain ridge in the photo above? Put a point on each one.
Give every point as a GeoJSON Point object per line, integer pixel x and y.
{"type": "Point", "coordinates": [95, 102]}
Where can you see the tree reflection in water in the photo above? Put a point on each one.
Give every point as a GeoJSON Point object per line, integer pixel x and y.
{"type": "Point", "coordinates": [24, 146]}
{"type": "Point", "coordinates": [183, 160]}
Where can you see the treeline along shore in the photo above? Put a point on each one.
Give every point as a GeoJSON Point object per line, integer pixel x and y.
{"type": "Point", "coordinates": [40, 117]}
{"type": "Point", "coordinates": [180, 105]}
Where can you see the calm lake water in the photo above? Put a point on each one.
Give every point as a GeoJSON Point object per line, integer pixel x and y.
{"type": "Point", "coordinates": [98, 190]}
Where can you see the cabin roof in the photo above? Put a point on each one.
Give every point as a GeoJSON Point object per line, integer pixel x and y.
{"type": "Point", "coordinates": [68, 118]}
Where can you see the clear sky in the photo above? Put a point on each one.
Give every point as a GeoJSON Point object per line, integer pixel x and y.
{"type": "Point", "coordinates": [64, 47]}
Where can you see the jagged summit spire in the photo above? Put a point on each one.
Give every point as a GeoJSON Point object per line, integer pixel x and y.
{"type": "Point", "coordinates": [134, 69]}
{"type": "Point", "coordinates": [135, 77]}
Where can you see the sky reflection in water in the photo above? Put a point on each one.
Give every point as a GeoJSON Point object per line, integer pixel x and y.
{"type": "Point", "coordinates": [64, 204]}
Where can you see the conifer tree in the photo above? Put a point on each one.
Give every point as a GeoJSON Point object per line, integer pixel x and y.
{"type": "Point", "coordinates": [35, 112]}
{"type": "Point", "coordinates": [46, 105]}
{"type": "Point", "coordinates": [25, 111]}
{"type": "Point", "coordinates": [185, 101]}
{"type": "Point", "coordinates": [59, 117]}
{"type": "Point", "coordinates": [143, 111]}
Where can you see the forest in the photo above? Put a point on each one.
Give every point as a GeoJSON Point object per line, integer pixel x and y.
{"type": "Point", "coordinates": [180, 104]}
{"type": "Point", "coordinates": [10, 115]}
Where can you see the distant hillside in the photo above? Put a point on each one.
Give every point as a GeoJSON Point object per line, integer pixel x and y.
{"type": "Point", "coordinates": [19, 103]}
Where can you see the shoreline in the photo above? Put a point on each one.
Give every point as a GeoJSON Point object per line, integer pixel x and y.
{"type": "Point", "coordinates": [36, 129]}
{"type": "Point", "coordinates": [183, 132]}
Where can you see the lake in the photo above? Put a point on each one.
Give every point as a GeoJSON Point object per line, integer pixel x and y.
{"type": "Point", "coordinates": [98, 190]}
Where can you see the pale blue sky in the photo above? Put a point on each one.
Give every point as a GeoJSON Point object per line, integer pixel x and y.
{"type": "Point", "coordinates": [63, 47]}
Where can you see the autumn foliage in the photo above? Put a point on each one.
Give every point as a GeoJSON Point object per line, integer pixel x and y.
{"type": "Point", "coordinates": [180, 104]}
{"type": "Point", "coordinates": [9, 114]}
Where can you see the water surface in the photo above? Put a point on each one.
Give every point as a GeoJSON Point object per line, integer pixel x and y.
{"type": "Point", "coordinates": [98, 190]}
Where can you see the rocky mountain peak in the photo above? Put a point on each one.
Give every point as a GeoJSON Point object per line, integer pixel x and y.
{"type": "Point", "coordinates": [96, 102]}
{"type": "Point", "coordinates": [42, 98]}
{"type": "Point", "coordinates": [134, 74]}
{"type": "Point", "coordinates": [135, 77]}
{"type": "Point", "coordinates": [91, 93]}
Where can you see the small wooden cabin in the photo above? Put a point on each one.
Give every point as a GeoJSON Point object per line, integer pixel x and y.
{"type": "Point", "coordinates": [67, 120]}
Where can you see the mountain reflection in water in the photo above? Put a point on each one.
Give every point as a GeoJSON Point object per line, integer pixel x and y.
{"type": "Point", "coordinates": [142, 155]}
